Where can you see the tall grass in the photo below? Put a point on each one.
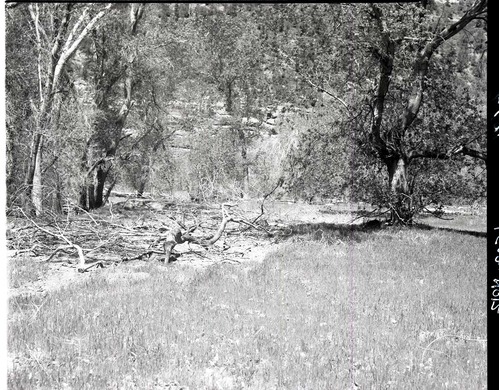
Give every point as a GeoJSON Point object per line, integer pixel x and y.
{"type": "Point", "coordinates": [23, 270]}
{"type": "Point", "coordinates": [397, 310]}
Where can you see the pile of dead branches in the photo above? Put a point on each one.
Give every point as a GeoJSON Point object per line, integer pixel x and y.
{"type": "Point", "coordinates": [96, 241]}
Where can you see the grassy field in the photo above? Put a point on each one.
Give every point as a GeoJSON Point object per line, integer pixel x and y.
{"type": "Point", "coordinates": [393, 309]}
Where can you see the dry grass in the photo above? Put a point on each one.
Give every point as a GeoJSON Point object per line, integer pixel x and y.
{"type": "Point", "coordinates": [387, 310]}
{"type": "Point", "coordinates": [23, 270]}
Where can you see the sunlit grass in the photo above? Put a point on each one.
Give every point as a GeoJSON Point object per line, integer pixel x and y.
{"type": "Point", "coordinates": [390, 310]}
{"type": "Point", "coordinates": [23, 270]}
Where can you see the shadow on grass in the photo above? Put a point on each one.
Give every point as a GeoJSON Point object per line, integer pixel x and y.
{"type": "Point", "coordinates": [331, 231]}
{"type": "Point", "coordinates": [474, 233]}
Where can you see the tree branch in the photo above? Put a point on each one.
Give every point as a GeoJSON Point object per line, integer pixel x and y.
{"type": "Point", "coordinates": [461, 149]}
{"type": "Point", "coordinates": [472, 153]}
{"type": "Point", "coordinates": [61, 30]}
{"type": "Point", "coordinates": [316, 86]}
{"type": "Point", "coordinates": [135, 15]}
{"type": "Point", "coordinates": [70, 47]}
{"type": "Point", "coordinates": [421, 63]}
{"type": "Point", "coordinates": [385, 58]}
{"type": "Point", "coordinates": [81, 256]}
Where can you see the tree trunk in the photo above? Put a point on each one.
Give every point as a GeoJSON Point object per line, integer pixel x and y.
{"type": "Point", "coordinates": [36, 190]}
{"type": "Point", "coordinates": [143, 179]}
{"type": "Point", "coordinates": [100, 177]}
{"type": "Point", "coordinates": [400, 202]}
{"type": "Point", "coordinates": [83, 198]}
{"type": "Point", "coordinates": [108, 130]}
{"type": "Point", "coordinates": [229, 102]}
{"type": "Point", "coordinates": [57, 196]}
{"type": "Point", "coordinates": [90, 189]}
{"type": "Point", "coordinates": [244, 158]}
{"type": "Point", "coordinates": [92, 195]}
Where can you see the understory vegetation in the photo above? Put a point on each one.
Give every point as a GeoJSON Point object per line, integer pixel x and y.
{"type": "Point", "coordinates": [389, 309]}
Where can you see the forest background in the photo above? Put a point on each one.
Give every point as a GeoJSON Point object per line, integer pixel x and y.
{"type": "Point", "coordinates": [383, 104]}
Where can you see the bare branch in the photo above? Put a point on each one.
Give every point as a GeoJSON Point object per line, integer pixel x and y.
{"type": "Point", "coordinates": [61, 30]}
{"type": "Point", "coordinates": [461, 148]}
{"type": "Point", "coordinates": [313, 84]}
{"type": "Point", "coordinates": [61, 237]}
{"type": "Point", "coordinates": [136, 11]}
{"type": "Point", "coordinates": [35, 15]}
{"type": "Point", "coordinates": [70, 47]}
{"type": "Point", "coordinates": [421, 63]}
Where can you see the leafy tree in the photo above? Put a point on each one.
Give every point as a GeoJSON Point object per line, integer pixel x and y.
{"type": "Point", "coordinates": [391, 61]}
{"type": "Point", "coordinates": [379, 102]}
{"type": "Point", "coordinates": [107, 69]}
{"type": "Point", "coordinates": [397, 137]}
{"type": "Point", "coordinates": [57, 31]}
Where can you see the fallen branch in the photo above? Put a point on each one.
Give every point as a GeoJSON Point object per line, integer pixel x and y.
{"type": "Point", "coordinates": [97, 264]}
{"type": "Point", "coordinates": [62, 248]}
{"type": "Point", "coordinates": [60, 236]}
{"type": "Point", "coordinates": [17, 252]}
{"type": "Point", "coordinates": [280, 182]}
{"type": "Point", "coordinates": [175, 236]}
{"type": "Point", "coordinates": [147, 253]}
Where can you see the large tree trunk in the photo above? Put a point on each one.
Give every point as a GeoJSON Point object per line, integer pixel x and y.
{"type": "Point", "coordinates": [92, 191]}
{"type": "Point", "coordinates": [101, 175]}
{"type": "Point", "coordinates": [400, 199]}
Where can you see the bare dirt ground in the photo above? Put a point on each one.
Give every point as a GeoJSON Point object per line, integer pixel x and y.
{"type": "Point", "coordinates": [130, 227]}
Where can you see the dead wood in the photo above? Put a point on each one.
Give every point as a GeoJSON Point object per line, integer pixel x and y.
{"type": "Point", "coordinates": [62, 237]}
{"type": "Point", "coordinates": [280, 182]}
{"type": "Point", "coordinates": [17, 252]}
{"type": "Point", "coordinates": [175, 236]}
{"type": "Point", "coordinates": [147, 253]}
{"type": "Point", "coordinates": [98, 242]}
{"type": "Point", "coordinates": [97, 264]}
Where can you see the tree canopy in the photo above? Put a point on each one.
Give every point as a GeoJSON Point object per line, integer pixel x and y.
{"type": "Point", "coordinates": [382, 103]}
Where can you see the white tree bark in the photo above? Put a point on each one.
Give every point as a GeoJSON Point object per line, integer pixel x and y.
{"type": "Point", "coordinates": [52, 76]}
